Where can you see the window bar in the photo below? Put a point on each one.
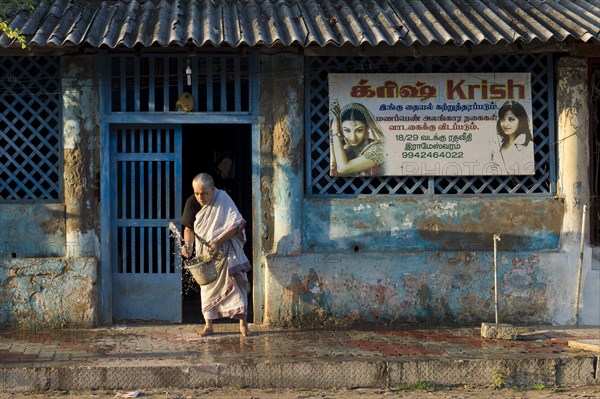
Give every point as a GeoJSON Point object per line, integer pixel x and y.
{"type": "Point", "coordinates": [223, 84]}
{"type": "Point", "coordinates": [151, 213]}
{"type": "Point", "coordinates": [168, 198]}
{"type": "Point", "coordinates": [209, 84]}
{"type": "Point", "coordinates": [165, 78]}
{"type": "Point", "coordinates": [237, 83]}
{"type": "Point", "coordinates": [132, 200]}
{"type": "Point", "coordinates": [123, 84]}
{"type": "Point", "coordinates": [152, 249]}
{"type": "Point", "coordinates": [151, 85]}
{"type": "Point", "coordinates": [126, 233]}
{"type": "Point", "coordinates": [180, 77]}
{"type": "Point", "coordinates": [159, 188]}
{"type": "Point", "coordinates": [143, 264]}
{"type": "Point", "coordinates": [142, 165]}
{"type": "Point", "coordinates": [162, 244]}
{"type": "Point", "coordinates": [134, 250]}
{"type": "Point", "coordinates": [136, 83]}
{"type": "Point", "coordinates": [195, 82]}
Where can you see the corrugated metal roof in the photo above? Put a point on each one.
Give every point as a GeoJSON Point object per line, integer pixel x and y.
{"type": "Point", "coordinates": [129, 23]}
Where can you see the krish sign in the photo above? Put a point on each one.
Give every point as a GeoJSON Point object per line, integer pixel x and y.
{"type": "Point", "coordinates": [476, 124]}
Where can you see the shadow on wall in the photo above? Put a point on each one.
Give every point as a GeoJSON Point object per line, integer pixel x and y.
{"type": "Point", "coordinates": [431, 225]}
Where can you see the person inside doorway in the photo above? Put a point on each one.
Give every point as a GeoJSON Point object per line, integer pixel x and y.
{"type": "Point", "coordinates": [220, 226]}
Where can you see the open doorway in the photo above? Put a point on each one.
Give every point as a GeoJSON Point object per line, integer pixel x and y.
{"type": "Point", "coordinates": [224, 151]}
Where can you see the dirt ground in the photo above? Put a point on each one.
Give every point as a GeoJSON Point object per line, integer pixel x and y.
{"type": "Point", "coordinates": [229, 393]}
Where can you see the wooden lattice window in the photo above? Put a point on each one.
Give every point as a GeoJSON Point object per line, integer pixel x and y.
{"type": "Point", "coordinates": [320, 183]}
{"type": "Point", "coordinates": [154, 82]}
{"type": "Point", "coordinates": [30, 139]}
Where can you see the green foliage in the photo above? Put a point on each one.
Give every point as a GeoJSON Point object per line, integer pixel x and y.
{"type": "Point", "coordinates": [424, 386]}
{"type": "Point", "coordinates": [13, 33]}
{"type": "Point", "coordinates": [9, 8]}
{"type": "Point", "coordinates": [498, 379]}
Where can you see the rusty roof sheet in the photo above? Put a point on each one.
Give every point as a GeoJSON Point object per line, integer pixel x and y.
{"type": "Point", "coordinates": [129, 23]}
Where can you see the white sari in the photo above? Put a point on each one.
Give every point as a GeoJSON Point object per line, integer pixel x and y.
{"type": "Point", "coordinates": [227, 296]}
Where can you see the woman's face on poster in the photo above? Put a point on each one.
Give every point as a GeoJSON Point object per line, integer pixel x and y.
{"type": "Point", "coordinates": [509, 123]}
{"type": "Point", "coordinates": [354, 132]}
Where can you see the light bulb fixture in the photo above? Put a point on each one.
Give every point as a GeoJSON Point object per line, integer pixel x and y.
{"type": "Point", "coordinates": [188, 73]}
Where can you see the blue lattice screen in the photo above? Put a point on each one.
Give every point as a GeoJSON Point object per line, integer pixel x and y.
{"type": "Point", "coordinates": [30, 140]}
{"type": "Point", "coordinates": [319, 183]}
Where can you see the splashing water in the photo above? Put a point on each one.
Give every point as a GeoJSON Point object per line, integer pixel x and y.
{"type": "Point", "coordinates": [188, 284]}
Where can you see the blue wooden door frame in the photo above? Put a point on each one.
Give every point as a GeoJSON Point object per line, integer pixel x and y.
{"type": "Point", "coordinates": [109, 119]}
{"type": "Point", "coordinates": [105, 287]}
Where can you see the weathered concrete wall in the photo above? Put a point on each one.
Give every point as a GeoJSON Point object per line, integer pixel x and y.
{"type": "Point", "coordinates": [47, 293]}
{"type": "Point", "coordinates": [432, 224]}
{"type": "Point", "coordinates": [282, 145]}
{"type": "Point", "coordinates": [430, 260]}
{"type": "Point", "coordinates": [573, 184]}
{"type": "Point", "coordinates": [32, 231]}
{"type": "Point", "coordinates": [279, 213]}
{"type": "Point", "coordinates": [435, 288]}
{"type": "Point", "coordinates": [81, 142]}
{"type": "Point", "coordinates": [49, 252]}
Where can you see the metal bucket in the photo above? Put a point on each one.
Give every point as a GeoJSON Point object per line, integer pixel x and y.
{"type": "Point", "coordinates": [203, 269]}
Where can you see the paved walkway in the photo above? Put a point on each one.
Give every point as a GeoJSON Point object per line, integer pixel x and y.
{"type": "Point", "coordinates": [174, 355]}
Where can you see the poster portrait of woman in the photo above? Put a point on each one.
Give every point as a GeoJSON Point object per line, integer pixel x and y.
{"type": "Point", "coordinates": [356, 142]}
{"type": "Point", "coordinates": [513, 150]}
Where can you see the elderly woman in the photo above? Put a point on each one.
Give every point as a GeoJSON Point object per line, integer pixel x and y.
{"type": "Point", "coordinates": [221, 226]}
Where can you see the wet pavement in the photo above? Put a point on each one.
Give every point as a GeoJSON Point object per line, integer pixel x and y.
{"type": "Point", "coordinates": [175, 355]}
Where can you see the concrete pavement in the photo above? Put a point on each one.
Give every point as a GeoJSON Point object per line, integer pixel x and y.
{"type": "Point", "coordinates": [142, 357]}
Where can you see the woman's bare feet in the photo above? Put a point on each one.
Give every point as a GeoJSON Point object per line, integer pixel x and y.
{"type": "Point", "coordinates": [207, 330]}
{"type": "Point", "coordinates": [244, 328]}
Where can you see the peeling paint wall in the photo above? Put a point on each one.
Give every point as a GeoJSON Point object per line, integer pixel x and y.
{"type": "Point", "coordinates": [32, 231]}
{"type": "Point", "coordinates": [281, 149]}
{"type": "Point", "coordinates": [281, 105]}
{"type": "Point", "coordinates": [573, 185]}
{"type": "Point", "coordinates": [380, 260]}
{"type": "Point", "coordinates": [324, 289]}
{"type": "Point", "coordinates": [48, 293]}
{"type": "Point", "coordinates": [430, 260]}
{"type": "Point", "coordinates": [49, 252]}
{"type": "Point", "coordinates": [81, 141]}
{"type": "Point", "coordinates": [431, 224]}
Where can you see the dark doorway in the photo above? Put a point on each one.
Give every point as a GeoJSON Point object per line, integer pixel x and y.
{"type": "Point", "coordinates": [224, 151]}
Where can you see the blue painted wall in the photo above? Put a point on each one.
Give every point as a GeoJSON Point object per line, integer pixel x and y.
{"type": "Point", "coordinates": [391, 261]}
{"type": "Point", "coordinates": [377, 224]}
{"type": "Point", "coordinates": [32, 231]}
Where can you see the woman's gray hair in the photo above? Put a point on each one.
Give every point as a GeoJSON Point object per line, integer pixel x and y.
{"type": "Point", "coordinates": [204, 180]}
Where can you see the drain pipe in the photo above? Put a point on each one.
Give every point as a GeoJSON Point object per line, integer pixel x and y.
{"type": "Point", "coordinates": [496, 239]}
{"type": "Point", "coordinates": [581, 242]}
